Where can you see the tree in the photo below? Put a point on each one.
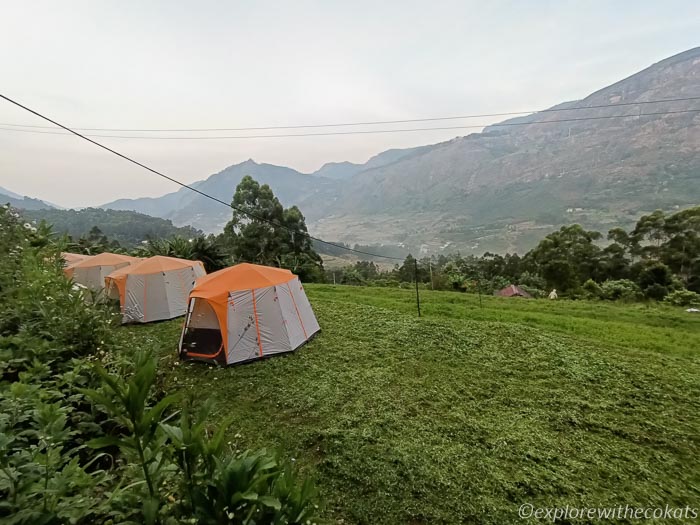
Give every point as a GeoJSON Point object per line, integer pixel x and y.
{"type": "Point", "coordinates": [94, 243]}
{"type": "Point", "coordinates": [616, 257]}
{"type": "Point", "coordinates": [673, 240]}
{"type": "Point", "coordinates": [681, 250]}
{"type": "Point", "coordinates": [200, 248]}
{"type": "Point", "coordinates": [648, 235]}
{"type": "Point", "coordinates": [407, 271]}
{"type": "Point", "coordinates": [656, 281]}
{"type": "Point", "coordinates": [262, 231]}
{"type": "Point", "coordinates": [567, 258]}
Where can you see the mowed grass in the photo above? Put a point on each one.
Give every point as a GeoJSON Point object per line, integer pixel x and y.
{"type": "Point", "coordinates": [466, 413]}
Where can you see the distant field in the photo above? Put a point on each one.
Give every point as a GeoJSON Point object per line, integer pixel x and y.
{"type": "Point", "coordinates": [470, 411]}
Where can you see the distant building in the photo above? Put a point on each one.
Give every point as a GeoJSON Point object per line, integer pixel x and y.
{"type": "Point", "coordinates": [512, 290]}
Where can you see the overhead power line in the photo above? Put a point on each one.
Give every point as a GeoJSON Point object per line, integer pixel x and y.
{"type": "Point", "coordinates": [363, 132]}
{"type": "Point", "coordinates": [191, 188]}
{"type": "Point", "coordinates": [375, 122]}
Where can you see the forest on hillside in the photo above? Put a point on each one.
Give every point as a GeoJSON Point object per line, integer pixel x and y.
{"type": "Point", "coordinates": [128, 228]}
{"type": "Point", "coordinates": [657, 259]}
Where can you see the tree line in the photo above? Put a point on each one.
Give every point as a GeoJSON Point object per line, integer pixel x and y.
{"type": "Point", "coordinates": [124, 228]}
{"type": "Point", "coordinates": [659, 257]}
{"type": "Point", "coordinates": [261, 231]}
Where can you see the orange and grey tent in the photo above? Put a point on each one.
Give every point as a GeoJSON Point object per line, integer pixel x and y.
{"type": "Point", "coordinates": [154, 289]}
{"type": "Point", "coordinates": [91, 272]}
{"type": "Point", "coordinates": [72, 258]}
{"type": "Point", "coordinates": [246, 312]}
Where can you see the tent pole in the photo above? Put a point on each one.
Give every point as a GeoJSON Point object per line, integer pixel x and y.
{"type": "Point", "coordinates": [415, 268]}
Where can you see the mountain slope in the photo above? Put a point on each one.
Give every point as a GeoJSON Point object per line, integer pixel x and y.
{"type": "Point", "coordinates": [338, 170]}
{"type": "Point", "coordinates": [187, 207]}
{"type": "Point", "coordinates": [500, 189]}
{"type": "Point", "coordinates": [599, 172]}
{"type": "Point", "coordinates": [22, 202]}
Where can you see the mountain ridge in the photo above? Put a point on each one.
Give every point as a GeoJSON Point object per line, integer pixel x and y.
{"type": "Point", "coordinates": [500, 188]}
{"type": "Point", "coordinates": [23, 201]}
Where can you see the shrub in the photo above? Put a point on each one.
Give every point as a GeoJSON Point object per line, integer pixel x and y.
{"type": "Point", "coordinates": [537, 293]}
{"type": "Point", "coordinates": [384, 283]}
{"type": "Point", "coordinates": [656, 291]}
{"type": "Point", "coordinates": [41, 316]}
{"type": "Point", "coordinates": [495, 284]}
{"type": "Point", "coordinates": [592, 289]}
{"type": "Point", "coordinates": [683, 298]}
{"type": "Point", "coordinates": [620, 290]}
{"type": "Point", "coordinates": [186, 472]}
{"type": "Point", "coordinates": [655, 280]}
{"type": "Point", "coordinates": [532, 281]}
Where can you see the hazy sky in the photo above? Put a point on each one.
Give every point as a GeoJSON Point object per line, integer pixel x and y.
{"type": "Point", "coordinates": [165, 64]}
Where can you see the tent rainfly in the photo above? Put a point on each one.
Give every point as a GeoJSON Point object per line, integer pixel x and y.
{"type": "Point", "coordinates": [512, 291]}
{"type": "Point", "coordinates": [72, 258]}
{"type": "Point", "coordinates": [246, 312]}
{"type": "Point", "coordinates": [153, 289]}
{"type": "Point", "coordinates": [91, 272]}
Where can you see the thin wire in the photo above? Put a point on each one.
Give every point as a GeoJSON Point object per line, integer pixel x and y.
{"type": "Point", "coordinates": [363, 132]}
{"type": "Point", "coordinates": [228, 205]}
{"type": "Point", "coordinates": [376, 122]}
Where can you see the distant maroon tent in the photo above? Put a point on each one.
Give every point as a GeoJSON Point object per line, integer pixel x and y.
{"type": "Point", "coordinates": [512, 291]}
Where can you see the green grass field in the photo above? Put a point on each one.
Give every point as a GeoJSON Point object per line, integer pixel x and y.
{"type": "Point", "coordinates": [466, 413]}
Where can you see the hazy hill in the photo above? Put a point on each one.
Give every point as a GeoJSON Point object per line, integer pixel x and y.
{"type": "Point", "coordinates": [501, 189]}
{"type": "Point", "coordinates": [187, 207]}
{"type": "Point", "coordinates": [338, 170]}
{"type": "Point", "coordinates": [22, 202]}
{"type": "Point", "coordinates": [127, 227]}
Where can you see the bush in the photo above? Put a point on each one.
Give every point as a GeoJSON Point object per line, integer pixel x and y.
{"type": "Point", "coordinates": [656, 291]}
{"type": "Point", "coordinates": [187, 472]}
{"type": "Point", "coordinates": [532, 281]}
{"type": "Point", "coordinates": [683, 298]}
{"type": "Point", "coordinates": [384, 283]}
{"type": "Point", "coordinates": [621, 290]}
{"type": "Point", "coordinates": [537, 293]}
{"type": "Point", "coordinates": [655, 280]}
{"type": "Point", "coordinates": [495, 284]}
{"type": "Point", "coordinates": [592, 290]}
{"type": "Point", "coordinates": [47, 334]}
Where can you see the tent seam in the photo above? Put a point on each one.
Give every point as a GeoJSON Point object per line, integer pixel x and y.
{"type": "Point", "coordinates": [306, 337]}
{"type": "Point", "coordinates": [257, 327]}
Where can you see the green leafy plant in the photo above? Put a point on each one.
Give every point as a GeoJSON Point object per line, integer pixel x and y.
{"type": "Point", "coordinates": [41, 473]}
{"type": "Point", "coordinates": [621, 290]}
{"type": "Point", "coordinates": [127, 402]}
{"type": "Point", "coordinates": [592, 290]}
{"type": "Point", "coordinates": [185, 468]}
{"type": "Point", "coordinates": [683, 298]}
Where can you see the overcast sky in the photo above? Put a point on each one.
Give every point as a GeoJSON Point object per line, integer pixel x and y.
{"type": "Point", "coordinates": [214, 64]}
